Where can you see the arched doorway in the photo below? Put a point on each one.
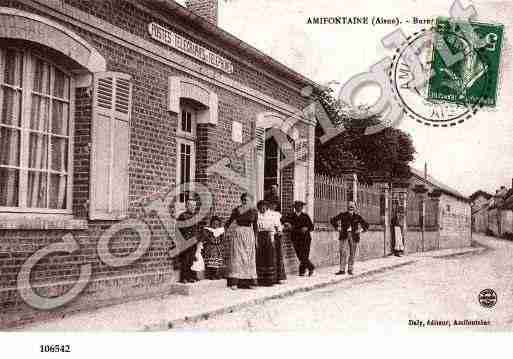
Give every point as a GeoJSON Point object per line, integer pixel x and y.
{"type": "Point", "coordinates": [275, 157]}
{"type": "Point", "coordinates": [276, 150]}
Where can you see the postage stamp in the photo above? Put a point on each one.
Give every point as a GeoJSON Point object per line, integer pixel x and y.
{"type": "Point", "coordinates": [473, 78]}
{"type": "Point", "coordinates": [412, 95]}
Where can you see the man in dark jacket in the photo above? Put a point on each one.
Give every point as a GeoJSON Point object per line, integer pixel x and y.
{"type": "Point", "coordinates": [299, 226]}
{"type": "Point", "coordinates": [349, 224]}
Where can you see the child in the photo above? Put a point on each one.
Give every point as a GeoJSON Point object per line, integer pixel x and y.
{"type": "Point", "coordinates": [198, 265]}
{"type": "Point", "coordinates": [213, 249]}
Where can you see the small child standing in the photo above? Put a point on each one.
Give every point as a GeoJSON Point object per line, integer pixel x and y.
{"type": "Point", "coordinates": [213, 237]}
{"type": "Point", "coordinates": [198, 265]}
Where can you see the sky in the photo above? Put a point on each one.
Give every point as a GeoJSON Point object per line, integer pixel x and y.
{"type": "Point", "coordinates": [476, 154]}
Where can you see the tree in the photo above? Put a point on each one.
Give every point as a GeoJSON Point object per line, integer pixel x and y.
{"type": "Point", "coordinates": [385, 154]}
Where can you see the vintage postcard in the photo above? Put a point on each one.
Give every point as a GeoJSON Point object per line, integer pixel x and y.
{"type": "Point", "coordinates": [182, 166]}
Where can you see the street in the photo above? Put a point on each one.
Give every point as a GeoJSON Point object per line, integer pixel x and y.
{"type": "Point", "coordinates": [406, 298]}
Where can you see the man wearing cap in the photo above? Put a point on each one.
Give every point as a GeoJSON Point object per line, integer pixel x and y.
{"type": "Point", "coordinates": [349, 224]}
{"type": "Point", "coordinates": [299, 226]}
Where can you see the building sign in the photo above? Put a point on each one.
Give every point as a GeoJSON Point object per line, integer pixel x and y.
{"type": "Point", "coordinates": [237, 132]}
{"type": "Point", "coordinates": [188, 47]}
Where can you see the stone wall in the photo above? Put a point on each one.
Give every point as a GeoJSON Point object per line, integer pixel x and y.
{"type": "Point", "coordinates": [325, 245]}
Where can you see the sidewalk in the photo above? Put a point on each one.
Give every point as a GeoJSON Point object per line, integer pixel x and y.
{"type": "Point", "coordinates": [211, 298]}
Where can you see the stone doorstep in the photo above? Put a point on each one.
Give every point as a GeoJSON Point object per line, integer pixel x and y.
{"type": "Point", "coordinates": [198, 287]}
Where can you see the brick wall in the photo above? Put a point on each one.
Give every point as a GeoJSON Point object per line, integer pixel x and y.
{"type": "Point", "coordinates": [152, 168]}
{"type": "Point", "coordinates": [81, 163]}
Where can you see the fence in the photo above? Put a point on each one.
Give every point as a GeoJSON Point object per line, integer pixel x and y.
{"type": "Point", "coordinates": [332, 194]}
{"type": "Point", "coordinates": [330, 197]}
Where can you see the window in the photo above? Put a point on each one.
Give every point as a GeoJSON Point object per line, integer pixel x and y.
{"type": "Point", "coordinates": [272, 173]}
{"type": "Point", "coordinates": [186, 151]}
{"type": "Point", "coordinates": [274, 155]}
{"type": "Point", "coordinates": [35, 130]}
{"type": "Point", "coordinates": [185, 166]}
{"type": "Point", "coordinates": [187, 123]}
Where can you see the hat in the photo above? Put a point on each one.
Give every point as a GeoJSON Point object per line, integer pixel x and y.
{"type": "Point", "coordinates": [299, 204]}
{"type": "Point", "coordinates": [262, 203]}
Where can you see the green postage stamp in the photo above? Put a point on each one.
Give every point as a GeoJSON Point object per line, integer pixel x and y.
{"type": "Point", "coordinates": [465, 60]}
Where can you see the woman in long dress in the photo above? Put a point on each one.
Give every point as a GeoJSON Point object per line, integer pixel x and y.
{"type": "Point", "coordinates": [242, 266]}
{"type": "Point", "coordinates": [398, 225]}
{"type": "Point", "coordinates": [266, 251]}
{"type": "Point", "coordinates": [278, 241]}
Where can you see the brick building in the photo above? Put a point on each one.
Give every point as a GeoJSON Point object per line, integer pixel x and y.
{"type": "Point", "coordinates": [107, 106]}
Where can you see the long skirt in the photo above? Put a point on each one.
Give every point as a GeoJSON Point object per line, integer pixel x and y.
{"type": "Point", "coordinates": [280, 264]}
{"type": "Point", "coordinates": [399, 239]}
{"type": "Point", "coordinates": [213, 255]}
{"type": "Point", "coordinates": [242, 266]}
{"type": "Point", "coordinates": [266, 259]}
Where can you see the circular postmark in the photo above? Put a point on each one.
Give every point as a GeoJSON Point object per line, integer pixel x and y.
{"type": "Point", "coordinates": [487, 298]}
{"type": "Point", "coordinates": [410, 74]}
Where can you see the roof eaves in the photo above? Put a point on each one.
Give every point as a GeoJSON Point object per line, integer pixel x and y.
{"type": "Point", "coordinates": [439, 185]}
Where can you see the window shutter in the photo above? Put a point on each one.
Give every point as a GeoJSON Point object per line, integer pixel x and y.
{"type": "Point", "coordinates": [301, 149]}
{"type": "Point", "coordinates": [112, 103]}
{"type": "Point", "coordinates": [260, 159]}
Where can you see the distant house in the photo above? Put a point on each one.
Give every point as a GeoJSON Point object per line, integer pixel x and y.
{"type": "Point", "coordinates": [481, 201]}
{"type": "Point", "coordinates": [500, 212]}
{"type": "Point", "coordinates": [454, 207]}
{"type": "Point", "coordinates": [480, 197]}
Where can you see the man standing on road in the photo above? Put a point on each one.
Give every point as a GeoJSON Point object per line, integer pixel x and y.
{"type": "Point", "coordinates": [349, 225]}
{"type": "Point", "coordinates": [300, 225]}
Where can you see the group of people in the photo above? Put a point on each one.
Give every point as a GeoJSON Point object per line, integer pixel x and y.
{"type": "Point", "coordinates": [256, 246]}
{"type": "Point", "coordinates": [256, 255]}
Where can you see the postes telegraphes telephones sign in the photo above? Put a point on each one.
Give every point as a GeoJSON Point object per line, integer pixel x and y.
{"type": "Point", "coordinates": [189, 47]}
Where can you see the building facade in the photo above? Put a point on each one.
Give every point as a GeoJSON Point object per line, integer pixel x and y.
{"type": "Point", "coordinates": [480, 203]}
{"type": "Point", "coordinates": [109, 110]}
{"type": "Point", "coordinates": [496, 216]}
{"type": "Point", "coordinates": [452, 207]}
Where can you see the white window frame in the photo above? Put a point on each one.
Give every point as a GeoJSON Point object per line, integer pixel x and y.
{"type": "Point", "coordinates": [278, 165]}
{"type": "Point", "coordinates": [186, 138]}
{"type": "Point", "coordinates": [179, 142]}
{"type": "Point", "coordinates": [194, 121]}
{"type": "Point", "coordinates": [26, 102]}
